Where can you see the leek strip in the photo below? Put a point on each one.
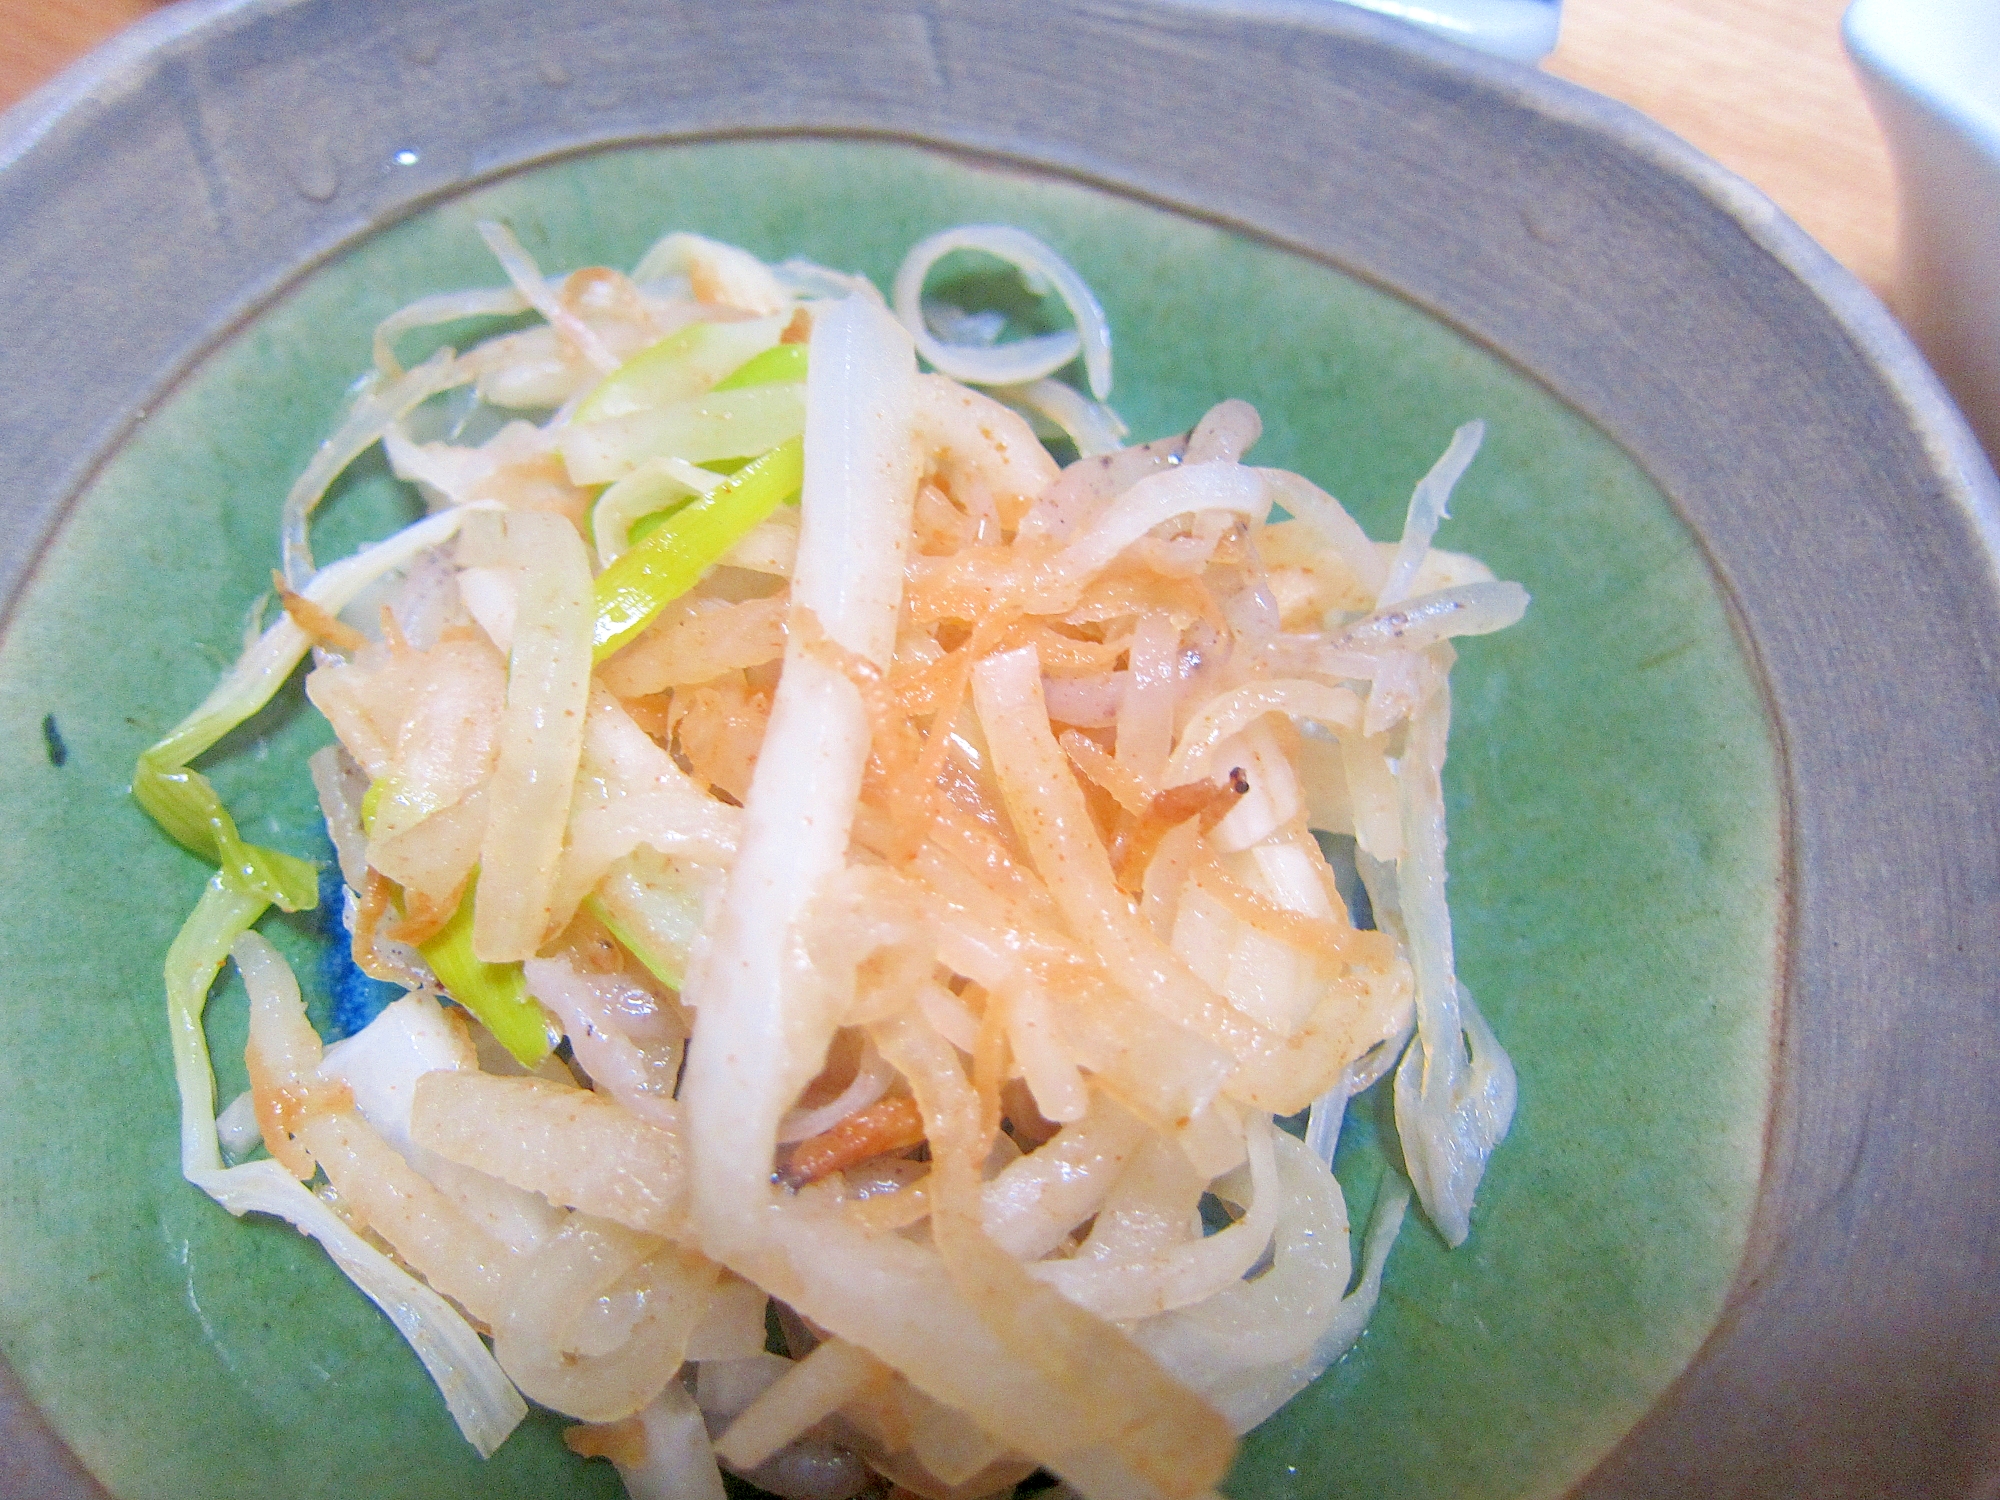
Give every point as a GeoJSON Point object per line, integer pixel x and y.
{"type": "Point", "coordinates": [633, 506]}
{"type": "Point", "coordinates": [496, 993]}
{"type": "Point", "coordinates": [183, 803]}
{"type": "Point", "coordinates": [1024, 360]}
{"type": "Point", "coordinates": [775, 366]}
{"type": "Point", "coordinates": [682, 365]}
{"type": "Point", "coordinates": [740, 423]}
{"type": "Point", "coordinates": [1092, 426]}
{"type": "Point", "coordinates": [378, 408]}
{"type": "Point", "coordinates": [221, 916]}
{"type": "Point", "coordinates": [181, 800]}
{"type": "Point", "coordinates": [481, 1399]}
{"type": "Point", "coordinates": [657, 964]}
{"type": "Point", "coordinates": [528, 281]}
{"type": "Point", "coordinates": [671, 560]}
{"type": "Point", "coordinates": [429, 312]}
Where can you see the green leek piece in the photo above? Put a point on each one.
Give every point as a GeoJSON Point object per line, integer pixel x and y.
{"type": "Point", "coordinates": [183, 803]}
{"type": "Point", "coordinates": [645, 526]}
{"type": "Point", "coordinates": [681, 365]}
{"type": "Point", "coordinates": [660, 965]}
{"type": "Point", "coordinates": [673, 557]}
{"type": "Point", "coordinates": [645, 497]}
{"type": "Point", "coordinates": [775, 366]}
{"type": "Point", "coordinates": [193, 960]}
{"type": "Point", "coordinates": [496, 993]}
{"type": "Point", "coordinates": [740, 423]}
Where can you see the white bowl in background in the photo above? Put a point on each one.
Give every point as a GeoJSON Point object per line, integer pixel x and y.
{"type": "Point", "coordinates": [1932, 70]}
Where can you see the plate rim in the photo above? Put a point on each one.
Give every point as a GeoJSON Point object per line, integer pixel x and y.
{"type": "Point", "coordinates": [1961, 506]}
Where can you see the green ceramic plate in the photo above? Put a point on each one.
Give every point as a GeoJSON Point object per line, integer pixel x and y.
{"type": "Point", "coordinates": [1615, 857]}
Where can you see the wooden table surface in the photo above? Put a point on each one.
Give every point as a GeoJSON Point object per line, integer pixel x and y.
{"type": "Point", "coordinates": [1760, 85]}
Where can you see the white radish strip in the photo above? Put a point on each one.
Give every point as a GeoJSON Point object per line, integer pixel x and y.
{"type": "Point", "coordinates": [1423, 620]}
{"type": "Point", "coordinates": [1047, 809]}
{"type": "Point", "coordinates": [813, 1389]}
{"type": "Point", "coordinates": [594, 1322]}
{"type": "Point", "coordinates": [983, 453]}
{"type": "Point", "coordinates": [1092, 426]}
{"type": "Point", "coordinates": [1037, 1199]}
{"type": "Point", "coordinates": [860, 483]}
{"type": "Point", "coordinates": [428, 312]}
{"type": "Point", "coordinates": [541, 738]}
{"type": "Point", "coordinates": [1329, 519]}
{"type": "Point", "coordinates": [287, 1045]}
{"type": "Point", "coordinates": [672, 1459]}
{"type": "Point", "coordinates": [429, 1233]}
{"type": "Point", "coordinates": [576, 1147]}
{"type": "Point", "coordinates": [1250, 1398]}
{"type": "Point", "coordinates": [750, 1051]}
{"type": "Point", "coordinates": [236, 1127]}
{"type": "Point", "coordinates": [949, 1018]}
{"type": "Point", "coordinates": [527, 278]}
{"type": "Point", "coordinates": [1400, 683]}
{"type": "Point", "coordinates": [1083, 489]}
{"type": "Point", "coordinates": [1448, 1130]}
{"type": "Point", "coordinates": [871, 1080]}
{"type": "Point", "coordinates": [377, 409]}
{"type": "Point", "coordinates": [733, 1326]}
{"type": "Point", "coordinates": [588, 1005]}
{"type": "Point", "coordinates": [1375, 800]}
{"type": "Point", "coordinates": [481, 1399]}
{"type": "Point", "coordinates": [1230, 713]}
{"type": "Point", "coordinates": [1157, 498]}
{"type": "Point", "coordinates": [1454, 1134]}
{"type": "Point", "coordinates": [1429, 505]}
{"type": "Point", "coordinates": [1086, 702]}
{"type": "Point", "coordinates": [341, 785]}
{"type": "Point", "coordinates": [1146, 716]}
{"type": "Point", "coordinates": [381, 1063]}
{"type": "Point", "coordinates": [1182, 1274]}
{"type": "Point", "coordinates": [1029, 359]}
{"type": "Point", "coordinates": [491, 596]}
{"type": "Point", "coordinates": [808, 281]}
{"type": "Point", "coordinates": [1228, 431]}
{"type": "Point", "coordinates": [1329, 1111]}
{"type": "Point", "coordinates": [629, 792]}
{"type": "Point", "coordinates": [1120, 1426]}
{"type": "Point", "coordinates": [1273, 799]}
{"type": "Point", "coordinates": [1046, 1062]}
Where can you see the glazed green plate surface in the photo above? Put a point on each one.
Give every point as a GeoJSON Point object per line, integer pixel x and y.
{"type": "Point", "coordinates": [1615, 859]}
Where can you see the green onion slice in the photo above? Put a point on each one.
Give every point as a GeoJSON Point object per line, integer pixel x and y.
{"type": "Point", "coordinates": [496, 993]}
{"type": "Point", "coordinates": [672, 557]}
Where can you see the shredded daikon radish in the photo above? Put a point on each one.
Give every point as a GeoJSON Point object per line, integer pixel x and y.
{"type": "Point", "coordinates": [895, 911]}
{"type": "Point", "coordinates": [541, 738]}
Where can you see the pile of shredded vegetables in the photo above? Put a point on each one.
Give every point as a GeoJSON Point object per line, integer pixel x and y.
{"type": "Point", "coordinates": [843, 865]}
